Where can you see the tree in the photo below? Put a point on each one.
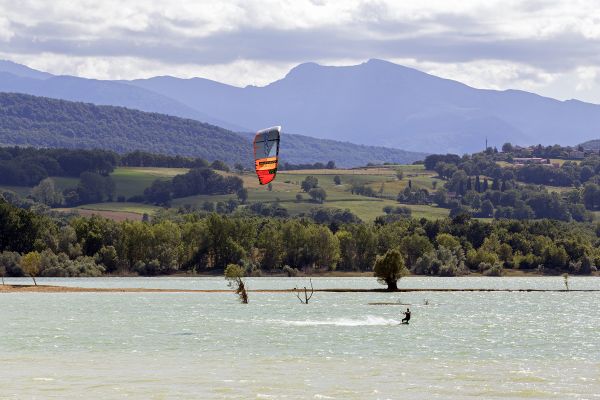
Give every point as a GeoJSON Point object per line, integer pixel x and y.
{"type": "Point", "coordinates": [220, 165]}
{"type": "Point", "coordinates": [485, 185]}
{"type": "Point", "coordinates": [507, 148]}
{"type": "Point", "coordinates": [487, 209]}
{"type": "Point", "coordinates": [337, 180]}
{"type": "Point", "coordinates": [93, 187]}
{"type": "Point", "coordinates": [234, 275]}
{"type": "Point", "coordinates": [31, 264]}
{"type": "Point", "coordinates": [591, 196]}
{"type": "Point", "coordinates": [242, 195]}
{"type": "Point", "coordinates": [45, 192]}
{"type": "Point", "coordinates": [441, 197]}
{"type": "Point", "coordinates": [159, 192]}
{"type": "Point", "coordinates": [389, 268]}
{"type": "Point", "coordinates": [318, 194]}
{"type": "Point", "coordinates": [414, 246]}
{"type": "Point", "coordinates": [239, 168]}
{"type": "Point", "coordinates": [322, 247]}
{"type": "Point", "coordinates": [309, 183]}
{"type": "Point", "coordinates": [107, 256]}
{"type": "Point", "coordinates": [448, 241]}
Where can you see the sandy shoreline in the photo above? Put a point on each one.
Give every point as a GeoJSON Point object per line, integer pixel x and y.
{"type": "Point", "coordinates": [68, 289]}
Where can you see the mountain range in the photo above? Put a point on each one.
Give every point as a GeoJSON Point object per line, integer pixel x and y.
{"type": "Point", "coordinates": [375, 103]}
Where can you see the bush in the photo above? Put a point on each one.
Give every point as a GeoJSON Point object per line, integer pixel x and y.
{"type": "Point", "coordinates": [318, 194]}
{"type": "Point", "coordinates": [528, 261]}
{"type": "Point", "coordinates": [10, 261]}
{"type": "Point", "coordinates": [491, 269]}
{"type": "Point", "coordinates": [290, 272]}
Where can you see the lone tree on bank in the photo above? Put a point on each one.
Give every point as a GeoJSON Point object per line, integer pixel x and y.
{"type": "Point", "coordinates": [31, 264]}
{"type": "Point", "coordinates": [389, 268]}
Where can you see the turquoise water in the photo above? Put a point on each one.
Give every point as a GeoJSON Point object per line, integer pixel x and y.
{"type": "Point", "coordinates": [208, 346]}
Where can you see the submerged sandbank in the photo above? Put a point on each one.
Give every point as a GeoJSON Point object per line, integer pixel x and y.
{"type": "Point", "coordinates": [73, 289]}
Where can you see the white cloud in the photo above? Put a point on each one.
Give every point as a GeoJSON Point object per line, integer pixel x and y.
{"type": "Point", "coordinates": [588, 77]}
{"type": "Point", "coordinates": [5, 31]}
{"type": "Point", "coordinates": [551, 47]}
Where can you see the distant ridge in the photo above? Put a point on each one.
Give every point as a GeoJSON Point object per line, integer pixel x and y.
{"type": "Point", "coordinates": [22, 70]}
{"type": "Point", "coordinates": [300, 149]}
{"type": "Point", "coordinates": [43, 122]}
{"type": "Point", "coordinates": [27, 120]}
{"type": "Point", "coordinates": [591, 144]}
{"type": "Point", "coordinates": [15, 78]}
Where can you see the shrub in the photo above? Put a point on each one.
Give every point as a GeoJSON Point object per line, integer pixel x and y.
{"type": "Point", "coordinates": [289, 271]}
{"type": "Point", "coordinates": [491, 269]}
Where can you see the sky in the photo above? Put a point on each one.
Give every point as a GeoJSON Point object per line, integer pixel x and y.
{"type": "Point", "coordinates": [547, 47]}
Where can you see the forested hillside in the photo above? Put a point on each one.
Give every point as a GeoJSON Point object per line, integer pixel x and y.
{"type": "Point", "coordinates": [43, 122]}
{"type": "Point", "coordinates": [591, 144]}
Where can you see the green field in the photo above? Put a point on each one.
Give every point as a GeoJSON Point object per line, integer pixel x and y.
{"type": "Point", "coordinates": [131, 181]}
{"type": "Point", "coordinates": [287, 186]}
{"type": "Point", "coordinates": [136, 208]}
{"type": "Point", "coordinates": [63, 182]}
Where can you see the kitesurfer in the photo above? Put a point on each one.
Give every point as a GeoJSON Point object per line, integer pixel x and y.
{"type": "Point", "coordinates": [406, 316]}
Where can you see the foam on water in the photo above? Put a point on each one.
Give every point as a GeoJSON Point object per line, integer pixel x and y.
{"type": "Point", "coordinates": [369, 320]}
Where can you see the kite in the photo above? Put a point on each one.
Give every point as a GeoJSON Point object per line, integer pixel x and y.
{"type": "Point", "coordinates": [266, 153]}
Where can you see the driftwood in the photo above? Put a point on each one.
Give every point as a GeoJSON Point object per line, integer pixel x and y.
{"type": "Point", "coordinates": [307, 297]}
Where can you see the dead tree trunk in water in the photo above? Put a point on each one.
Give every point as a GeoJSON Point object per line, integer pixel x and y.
{"type": "Point", "coordinates": [241, 291]}
{"type": "Point", "coordinates": [307, 297]}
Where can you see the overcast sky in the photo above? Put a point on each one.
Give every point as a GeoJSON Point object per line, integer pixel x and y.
{"type": "Point", "coordinates": [548, 47]}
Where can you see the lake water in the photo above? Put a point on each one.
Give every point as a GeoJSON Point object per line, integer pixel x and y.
{"type": "Point", "coordinates": [503, 345]}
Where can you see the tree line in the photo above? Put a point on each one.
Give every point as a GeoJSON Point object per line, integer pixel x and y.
{"type": "Point", "coordinates": [196, 181]}
{"type": "Point", "coordinates": [28, 166]}
{"type": "Point", "coordinates": [201, 241]}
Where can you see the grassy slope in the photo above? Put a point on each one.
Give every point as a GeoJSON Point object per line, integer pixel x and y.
{"type": "Point", "coordinates": [132, 181]}
{"type": "Point", "coordinates": [287, 186]}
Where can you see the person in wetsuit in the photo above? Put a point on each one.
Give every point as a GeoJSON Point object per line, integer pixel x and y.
{"type": "Point", "coordinates": [406, 316]}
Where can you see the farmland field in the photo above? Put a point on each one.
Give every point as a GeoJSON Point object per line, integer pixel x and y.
{"type": "Point", "coordinates": [131, 181]}
{"type": "Point", "coordinates": [287, 186]}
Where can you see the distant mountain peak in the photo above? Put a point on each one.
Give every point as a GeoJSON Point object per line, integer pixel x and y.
{"type": "Point", "coordinates": [22, 71]}
{"type": "Point", "coordinates": [303, 68]}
